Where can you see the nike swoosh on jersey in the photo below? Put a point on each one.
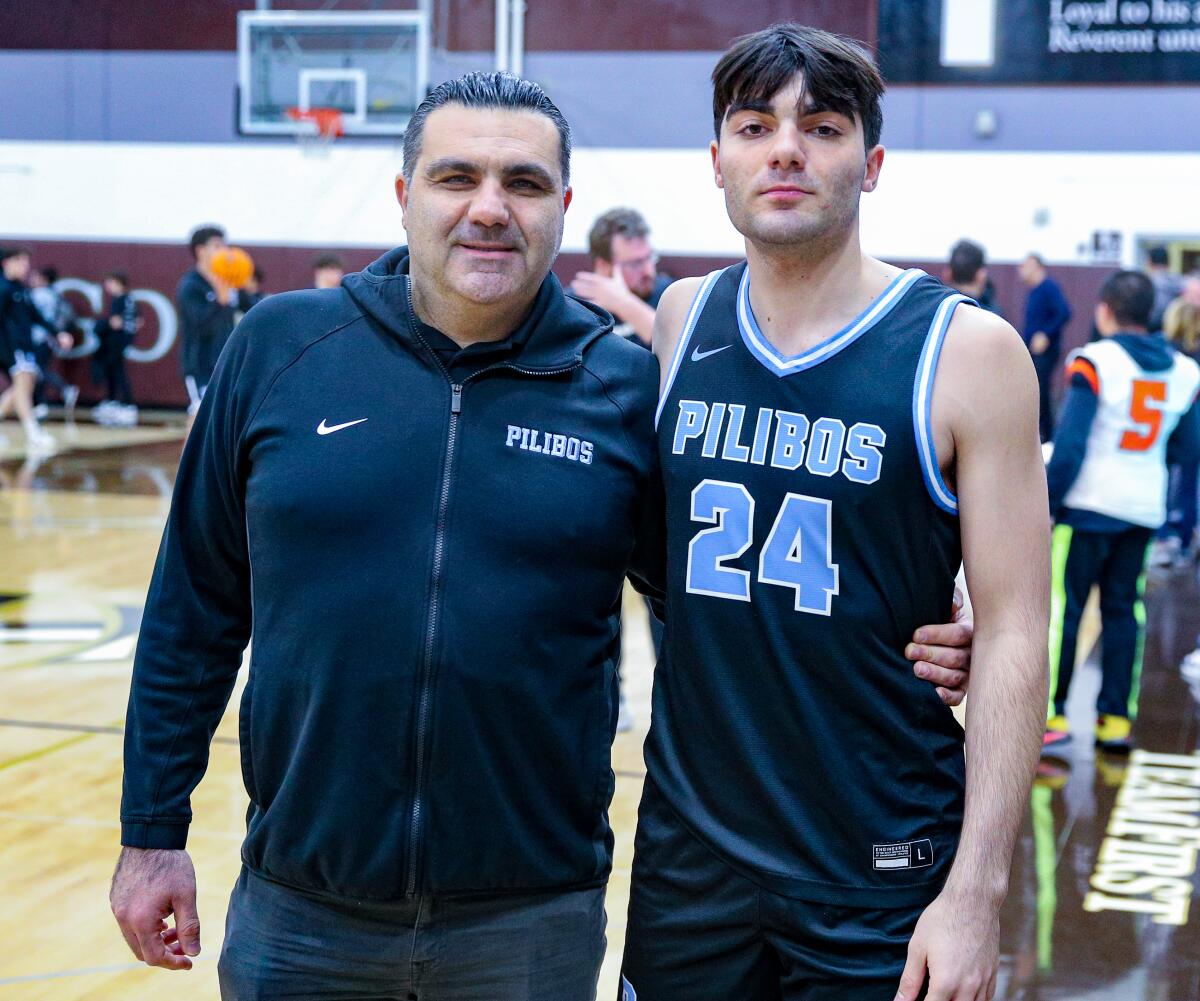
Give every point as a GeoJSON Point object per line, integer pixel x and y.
{"type": "Point", "coordinates": [698, 355]}
{"type": "Point", "coordinates": [323, 428]}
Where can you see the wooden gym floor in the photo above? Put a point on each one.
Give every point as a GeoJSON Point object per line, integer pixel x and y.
{"type": "Point", "coordinates": [1096, 911]}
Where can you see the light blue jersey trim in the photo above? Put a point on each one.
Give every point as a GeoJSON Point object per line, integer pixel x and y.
{"type": "Point", "coordinates": [781, 365]}
{"type": "Point", "coordinates": [689, 325]}
{"type": "Point", "coordinates": [923, 404]}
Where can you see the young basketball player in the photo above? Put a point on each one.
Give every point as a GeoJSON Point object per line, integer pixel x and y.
{"type": "Point", "coordinates": [1130, 404]}
{"type": "Point", "coordinates": [831, 430]}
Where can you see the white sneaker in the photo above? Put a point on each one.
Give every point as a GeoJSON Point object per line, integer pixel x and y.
{"type": "Point", "coordinates": [70, 398]}
{"type": "Point", "coordinates": [37, 440]}
{"type": "Point", "coordinates": [41, 411]}
{"type": "Point", "coordinates": [624, 716]}
{"type": "Point", "coordinates": [1165, 552]}
{"type": "Point", "coordinates": [1189, 667]}
{"type": "Point", "coordinates": [125, 415]}
{"type": "Point", "coordinates": [103, 413]}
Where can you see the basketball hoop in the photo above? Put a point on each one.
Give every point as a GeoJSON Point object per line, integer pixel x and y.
{"type": "Point", "coordinates": [318, 128]}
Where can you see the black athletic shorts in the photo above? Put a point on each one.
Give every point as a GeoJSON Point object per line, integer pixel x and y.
{"type": "Point", "coordinates": [699, 931]}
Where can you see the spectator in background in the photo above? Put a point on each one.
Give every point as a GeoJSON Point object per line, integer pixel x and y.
{"type": "Point", "coordinates": [254, 291]}
{"type": "Point", "coordinates": [1046, 314]}
{"type": "Point", "coordinates": [18, 316]}
{"type": "Point", "coordinates": [1176, 539]}
{"type": "Point", "coordinates": [624, 278]}
{"type": "Point", "coordinates": [1167, 285]}
{"type": "Point", "coordinates": [206, 306]}
{"type": "Point", "coordinates": [968, 274]}
{"type": "Point", "coordinates": [51, 337]}
{"type": "Point", "coordinates": [1191, 290]}
{"type": "Point", "coordinates": [1108, 489]}
{"type": "Point", "coordinates": [116, 334]}
{"type": "Point", "coordinates": [328, 270]}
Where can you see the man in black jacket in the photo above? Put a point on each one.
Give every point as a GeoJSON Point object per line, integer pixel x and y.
{"type": "Point", "coordinates": [207, 307]}
{"type": "Point", "coordinates": [437, 571]}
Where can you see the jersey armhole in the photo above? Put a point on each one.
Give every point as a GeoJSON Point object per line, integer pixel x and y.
{"type": "Point", "coordinates": [689, 324]}
{"type": "Point", "coordinates": [941, 494]}
{"type": "Point", "coordinates": [1085, 368]}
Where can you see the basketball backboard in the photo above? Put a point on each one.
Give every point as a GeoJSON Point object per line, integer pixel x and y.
{"type": "Point", "coordinates": [370, 66]}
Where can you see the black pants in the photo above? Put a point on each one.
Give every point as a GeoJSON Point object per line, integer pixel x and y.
{"type": "Point", "coordinates": [1046, 367]}
{"type": "Point", "coordinates": [699, 931]}
{"type": "Point", "coordinates": [1115, 561]}
{"type": "Point", "coordinates": [111, 359]}
{"type": "Point", "coordinates": [282, 943]}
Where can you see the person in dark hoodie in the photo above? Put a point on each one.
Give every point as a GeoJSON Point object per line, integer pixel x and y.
{"type": "Point", "coordinates": [208, 308]}
{"type": "Point", "coordinates": [440, 472]}
{"type": "Point", "coordinates": [1130, 405]}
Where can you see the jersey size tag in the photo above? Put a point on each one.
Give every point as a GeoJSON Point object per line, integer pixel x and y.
{"type": "Point", "coordinates": [905, 855]}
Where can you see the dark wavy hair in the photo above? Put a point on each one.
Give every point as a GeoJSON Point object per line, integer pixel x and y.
{"type": "Point", "coordinates": [839, 75]}
{"type": "Point", "coordinates": [487, 90]}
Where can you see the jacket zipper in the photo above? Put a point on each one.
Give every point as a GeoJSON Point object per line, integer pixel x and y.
{"type": "Point", "coordinates": [439, 554]}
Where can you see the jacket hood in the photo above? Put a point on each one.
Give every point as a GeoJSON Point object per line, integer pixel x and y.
{"type": "Point", "coordinates": [555, 333]}
{"type": "Point", "coordinates": [1150, 351]}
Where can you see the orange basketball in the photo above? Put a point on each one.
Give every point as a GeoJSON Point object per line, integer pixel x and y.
{"type": "Point", "coordinates": [233, 265]}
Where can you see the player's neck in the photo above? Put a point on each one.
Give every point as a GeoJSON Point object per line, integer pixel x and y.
{"type": "Point", "coordinates": [803, 295]}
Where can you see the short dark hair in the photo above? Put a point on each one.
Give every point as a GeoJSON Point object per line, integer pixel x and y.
{"type": "Point", "coordinates": [505, 91]}
{"type": "Point", "coordinates": [1130, 296]}
{"type": "Point", "coordinates": [120, 277]}
{"type": "Point", "coordinates": [328, 261]}
{"type": "Point", "coordinates": [966, 261]}
{"type": "Point", "coordinates": [7, 253]}
{"type": "Point", "coordinates": [202, 234]}
{"type": "Point", "coordinates": [629, 223]}
{"type": "Point", "coordinates": [50, 275]}
{"type": "Point", "coordinates": [1158, 256]}
{"type": "Point", "coordinates": [838, 74]}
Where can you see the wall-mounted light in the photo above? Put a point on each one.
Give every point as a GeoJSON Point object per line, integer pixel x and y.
{"type": "Point", "coordinates": [986, 123]}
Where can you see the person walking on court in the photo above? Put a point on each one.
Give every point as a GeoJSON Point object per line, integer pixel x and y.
{"type": "Point", "coordinates": [207, 312]}
{"type": "Point", "coordinates": [441, 473]}
{"type": "Point", "coordinates": [18, 317]}
{"type": "Point", "coordinates": [1046, 315]}
{"type": "Point", "coordinates": [116, 335]}
{"type": "Point", "coordinates": [1131, 404]}
{"type": "Point", "coordinates": [835, 435]}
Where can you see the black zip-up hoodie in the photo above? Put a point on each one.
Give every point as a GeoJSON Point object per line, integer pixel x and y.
{"type": "Point", "coordinates": [435, 575]}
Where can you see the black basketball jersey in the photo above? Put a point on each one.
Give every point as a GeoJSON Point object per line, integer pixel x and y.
{"type": "Point", "coordinates": [810, 533]}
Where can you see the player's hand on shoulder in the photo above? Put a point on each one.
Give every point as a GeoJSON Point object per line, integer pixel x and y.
{"type": "Point", "coordinates": [669, 317]}
{"type": "Point", "coordinates": [148, 886]}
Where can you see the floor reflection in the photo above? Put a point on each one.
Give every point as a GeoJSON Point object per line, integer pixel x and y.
{"type": "Point", "coordinates": [1104, 875]}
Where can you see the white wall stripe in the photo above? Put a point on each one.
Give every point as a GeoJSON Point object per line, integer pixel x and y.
{"type": "Point", "coordinates": [268, 193]}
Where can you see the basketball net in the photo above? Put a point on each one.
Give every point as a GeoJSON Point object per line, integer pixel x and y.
{"type": "Point", "coordinates": [318, 129]}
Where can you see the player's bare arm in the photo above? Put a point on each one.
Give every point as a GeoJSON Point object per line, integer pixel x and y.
{"type": "Point", "coordinates": [941, 654]}
{"type": "Point", "coordinates": [985, 422]}
{"type": "Point", "coordinates": [668, 322]}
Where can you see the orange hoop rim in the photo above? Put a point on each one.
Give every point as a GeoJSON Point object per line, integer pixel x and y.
{"type": "Point", "coordinates": [328, 123]}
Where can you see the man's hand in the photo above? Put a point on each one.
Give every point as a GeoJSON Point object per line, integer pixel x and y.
{"type": "Point", "coordinates": [957, 945]}
{"type": "Point", "coordinates": [608, 292]}
{"type": "Point", "coordinates": [149, 885]}
{"type": "Point", "coordinates": [65, 340]}
{"type": "Point", "coordinates": [943, 654]}
{"type": "Point", "coordinates": [1038, 343]}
